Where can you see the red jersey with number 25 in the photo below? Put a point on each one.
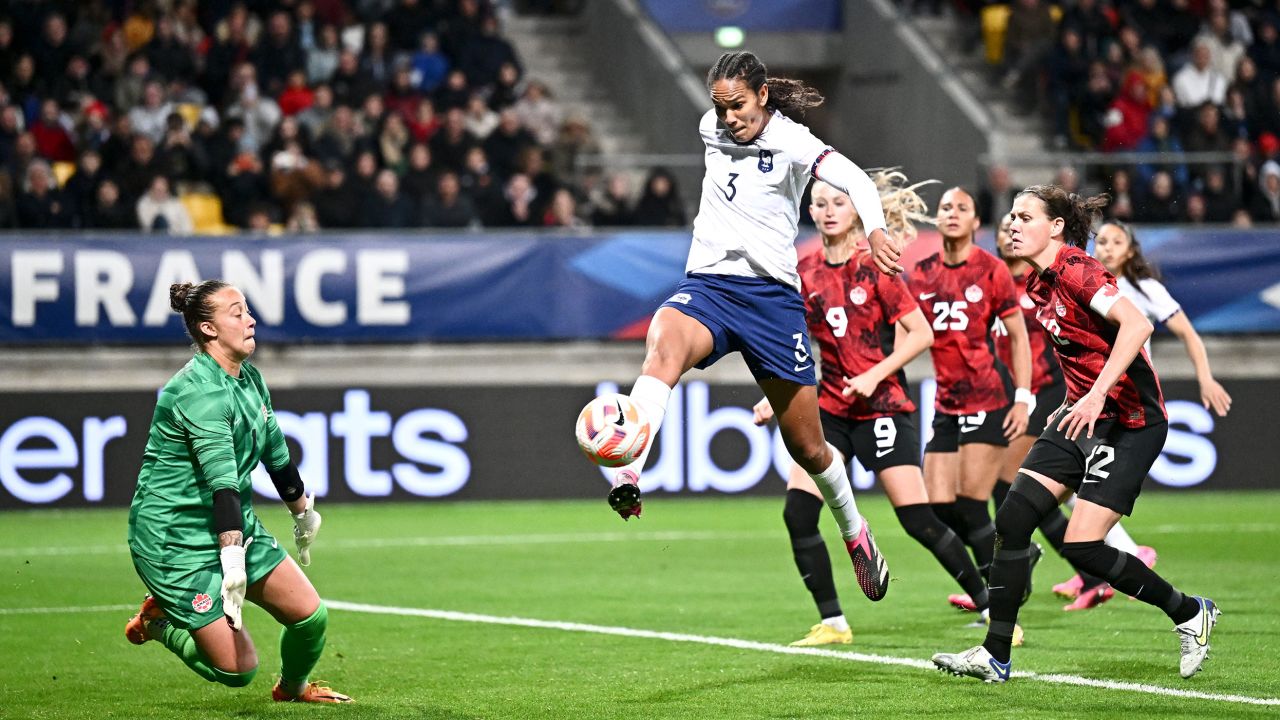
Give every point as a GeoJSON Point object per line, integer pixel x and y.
{"type": "Point", "coordinates": [851, 310]}
{"type": "Point", "coordinates": [962, 302]}
{"type": "Point", "coordinates": [1073, 297]}
{"type": "Point", "coordinates": [1044, 364]}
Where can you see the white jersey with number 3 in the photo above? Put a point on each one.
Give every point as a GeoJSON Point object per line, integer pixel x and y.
{"type": "Point", "coordinates": [750, 208]}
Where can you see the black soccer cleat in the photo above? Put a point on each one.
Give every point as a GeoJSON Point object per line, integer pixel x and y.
{"type": "Point", "coordinates": [624, 498]}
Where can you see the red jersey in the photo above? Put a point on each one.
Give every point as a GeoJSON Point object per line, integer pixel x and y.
{"type": "Point", "coordinates": [851, 310]}
{"type": "Point", "coordinates": [962, 302]}
{"type": "Point", "coordinates": [1044, 364]}
{"type": "Point", "coordinates": [1073, 297]}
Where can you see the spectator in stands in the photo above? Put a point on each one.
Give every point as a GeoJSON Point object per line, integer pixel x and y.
{"type": "Point", "coordinates": [1206, 135]}
{"type": "Point", "coordinates": [409, 21]}
{"type": "Point", "coordinates": [342, 136]}
{"type": "Point", "coordinates": [539, 114]}
{"type": "Point", "coordinates": [1122, 201]}
{"type": "Point", "coordinates": [430, 65]}
{"type": "Point", "coordinates": [420, 176]}
{"type": "Point", "coordinates": [1028, 39]}
{"type": "Point", "coordinates": [393, 143]}
{"type": "Point", "coordinates": [77, 87]}
{"type": "Point", "coordinates": [1251, 87]}
{"type": "Point", "coordinates": [302, 219]}
{"type": "Point", "coordinates": [322, 60]}
{"type": "Point", "coordinates": [478, 180]}
{"type": "Point", "coordinates": [1198, 82]}
{"type": "Point", "coordinates": [448, 207]}
{"type": "Point", "coordinates": [297, 96]}
{"type": "Point", "coordinates": [450, 144]}
{"type": "Point", "coordinates": [1266, 203]}
{"type": "Point", "coordinates": [1196, 209]}
{"type": "Point", "coordinates": [1161, 203]}
{"type": "Point", "coordinates": [386, 207]}
{"type": "Point", "coordinates": [480, 119]}
{"type": "Point", "coordinates": [8, 53]}
{"type": "Point", "coordinates": [1089, 20]}
{"type": "Point", "coordinates": [235, 37]}
{"type": "Point", "coordinates": [168, 54]}
{"type": "Point", "coordinates": [611, 206]}
{"type": "Point", "coordinates": [159, 211]}
{"type": "Point", "coordinates": [336, 203]}
{"type": "Point", "coordinates": [149, 118]}
{"type": "Point", "coordinates": [53, 49]}
{"type": "Point", "coordinates": [260, 114]}
{"type": "Point", "coordinates": [53, 142]}
{"type": "Point", "coordinates": [660, 204]}
{"type": "Point", "coordinates": [316, 116]}
{"type": "Point", "coordinates": [136, 174]}
{"type": "Point", "coordinates": [244, 186]}
{"type": "Point", "coordinates": [81, 188]}
{"type": "Point", "coordinates": [515, 207]}
{"type": "Point", "coordinates": [178, 156]}
{"type": "Point", "coordinates": [1160, 139]}
{"type": "Point", "coordinates": [1269, 117]}
{"type": "Point", "coordinates": [26, 88]}
{"type": "Point", "coordinates": [1095, 103]}
{"type": "Point", "coordinates": [506, 91]}
{"type": "Point", "coordinates": [1220, 203]}
{"type": "Point", "coordinates": [376, 59]}
{"type": "Point", "coordinates": [293, 177]}
{"type": "Point", "coordinates": [41, 205]}
{"type": "Point", "coordinates": [1235, 114]}
{"type": "Point", "coordinates": [108, 212]}
{"type": "Point", "coordinates": [350, 83]}
{"type": "Point", "coordinates": [484, 54]}
{"type": "Point", "coordinates": [532, 162]}
{"type": "Point", "coordinates": [1225, 50]}
{"type": "Point", "coordinates": [1067, 72]}
{"type": "Point", "coordinates": [575, 141]}
{"type": "Point", "coordinates": [995, 197]}
{"type": "Point", "coordinates": [1265, 50]}
{"type": "Point", "coordinates": [1126, 119]}
{"type": "Point", "coordinates": [506, 142]}
{"type": "Point", "coordinates": [1150, 67]}
{"type": "Point", "coordinates": [424, 123]}
{"type": "Point", "coordinates": [562, 211]}
{"type": "Point", "coordinates": [453, 93]}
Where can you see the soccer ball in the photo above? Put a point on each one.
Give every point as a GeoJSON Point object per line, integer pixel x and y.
{"type": "Point", "coordinates": [612, 430]}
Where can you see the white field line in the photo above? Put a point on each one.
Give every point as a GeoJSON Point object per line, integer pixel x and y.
{"type": "Point", "coordinates": [70, 610]}
{"type": "Point", "coordinates": [570, 538]}
{"type": "Point", "coordinates": [781, 649]}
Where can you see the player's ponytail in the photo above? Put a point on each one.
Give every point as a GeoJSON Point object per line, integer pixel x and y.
{"type": "Point", "coordinates": [1078, 213]}
{"type": "Point", "coordinates": [785, 94]}
{"type": "Point", "coordinates": [195, 304]}
{"type": "Point", "coordinates": [903, 206]}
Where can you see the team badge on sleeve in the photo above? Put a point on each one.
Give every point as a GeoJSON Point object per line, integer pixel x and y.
{"type": "Point", "coordinates": [202, 602]}
{"type": "Point", "coordinates": [766, 161]}
{"type": "Point", "coordinates": [973, 294]}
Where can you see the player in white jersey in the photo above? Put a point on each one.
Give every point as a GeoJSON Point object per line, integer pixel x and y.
{"type": "Point", "coordinates": [1116, 247]}
{"type": "Point", "coordinates": [741, 290]}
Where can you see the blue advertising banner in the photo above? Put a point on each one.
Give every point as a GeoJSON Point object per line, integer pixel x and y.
{"type": "Point", "coordinates": [519, 287]}
{"type": "Point", "coordinates": [677, 16]}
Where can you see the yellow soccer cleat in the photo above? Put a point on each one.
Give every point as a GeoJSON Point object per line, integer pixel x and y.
{"type": "Point", "coordinates": [823, 634]}
{"type": "Point", "coordinates": [315, 692]}
{"type": "Point", "coordinates": [1017, 629]}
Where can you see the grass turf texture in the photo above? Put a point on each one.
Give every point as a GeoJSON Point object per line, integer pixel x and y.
{"type": "Point", "coordinates": [717, 567]}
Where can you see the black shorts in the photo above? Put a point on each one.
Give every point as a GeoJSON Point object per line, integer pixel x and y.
{"type": "Point", "coordinates": [1049, 398]}
{"type": "Point", "coordinates": [952, 431]}
{"type": "Point", "coordinates": [1107, 469]}
{"type": "Point", "coordinates": [878, 443]}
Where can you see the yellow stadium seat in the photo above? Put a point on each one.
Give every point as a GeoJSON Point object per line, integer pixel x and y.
{"type": "Point", "coordinates": [206, 213]}
{"type": "Point", "coordinates": [62, 172]}
{"type": "Point", "coordinates": [995, 18]}
{"type": "Point", "coordinates": [190, 113]}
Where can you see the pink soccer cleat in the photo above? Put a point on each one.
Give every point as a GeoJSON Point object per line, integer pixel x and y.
{"type": "Point", "coordinates": [868, 564]}
{"type": "Point", "coordinates": [1091, 598]}
{"type": "Point", "coordinates": [624, 498]}
{"type": "Point", "coordinates": [1070, 589]}
{"type": "Point", "coordinates": [962, 602]}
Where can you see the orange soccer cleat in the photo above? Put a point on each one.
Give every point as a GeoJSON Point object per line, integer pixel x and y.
{"type": "Point", "coordinates": [136, 630]}
{"type": "Point", "coordinates": [314, 692]}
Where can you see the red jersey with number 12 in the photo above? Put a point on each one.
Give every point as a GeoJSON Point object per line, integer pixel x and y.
{"type": "Point", "coordinates": [1073, 297]}
{"type": "Point", "coordinates": [851, 310]}
{"type": "Point", "coordinates": [1044, 364]}
{"type": "Point", "coordinates": [962, 302]}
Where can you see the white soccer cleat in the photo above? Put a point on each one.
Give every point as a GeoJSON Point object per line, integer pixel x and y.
{"type": "Point", "coordinates": [975, 662]}
{"type": "Point", "coordinates": [1194, 637]}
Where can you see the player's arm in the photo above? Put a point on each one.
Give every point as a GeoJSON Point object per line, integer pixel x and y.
{"type": "Point", "coordinates": [1134, 329]}
{"type": "Point", "coordinates": [912, 337]}
{"type": "Point", "coordinates": [1212, 394]}
{"type": "Point", "coordinates": [843, 174]}
{"type": "Point", "coordinates": [1016, 420]}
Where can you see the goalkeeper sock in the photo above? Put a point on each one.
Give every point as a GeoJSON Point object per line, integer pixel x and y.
{"type": "Point", "coordinates": [834, 485]}
{"type": "Point", "coordinates": [651, 394]}
{"type": "Point", "coordinates": [301, 645]}
{"type": "Point", "coordinates": [181, 643]}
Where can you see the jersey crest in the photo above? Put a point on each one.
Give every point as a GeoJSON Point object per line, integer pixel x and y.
{"type": "Point", "coordinates": [766, 161]}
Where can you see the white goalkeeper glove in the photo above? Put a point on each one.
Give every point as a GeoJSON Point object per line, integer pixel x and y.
{"type": "Point", "coordinates": [305, 526]}
{"type": "Point", "coordinates": [234, 583]}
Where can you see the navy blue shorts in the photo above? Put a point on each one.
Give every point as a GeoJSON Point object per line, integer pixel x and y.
{"type": "Point", "coordinates": [761, 318]}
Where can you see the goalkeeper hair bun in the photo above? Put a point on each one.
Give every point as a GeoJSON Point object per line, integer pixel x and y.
{"type": "Point", "coordinates": [179, 293]}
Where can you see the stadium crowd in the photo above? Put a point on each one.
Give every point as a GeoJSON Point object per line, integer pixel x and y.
{"type": "Point", "coordinates": [1166, 76]}
{"type": "Point", "coordinates": [179, 116]}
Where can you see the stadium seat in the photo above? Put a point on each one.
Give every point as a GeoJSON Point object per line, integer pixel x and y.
{"type": "Point", "coordinates": [190, 113]}
{"type": "Point", "coordinates": [206, 213]}
{"type": "Point", "coordinates": [995, 18]}
{"type": "Point", "coordinates": [62, 172]}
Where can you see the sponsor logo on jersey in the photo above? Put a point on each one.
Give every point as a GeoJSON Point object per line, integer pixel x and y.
{"type": "Point", "coordinates": [682, 298]}
{"type": "Point", "coordinates": [973, 293]}
{"type": "Point", "coordinates": [1060, 309]}
{"type": "Point", "coordinates": [1026, 302]}
{"type": "Point", "coordinates": [202, 603]}
{"type": "Point", "coordinates": [766, 161]}
{"type": "Point", "coordinates": [858, 295]}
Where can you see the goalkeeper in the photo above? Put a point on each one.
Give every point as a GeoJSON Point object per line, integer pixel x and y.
{"type": "Point", "coordinates": [195, 540]}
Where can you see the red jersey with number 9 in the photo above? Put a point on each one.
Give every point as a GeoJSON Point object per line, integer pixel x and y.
{"type": "Point", "coordinates": [1073, 297]}
{"type": "Point", "coordinates": [962, 302]}
{"type": "Point", "coordinates": [851, 310]}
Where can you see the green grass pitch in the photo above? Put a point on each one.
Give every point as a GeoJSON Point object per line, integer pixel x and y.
{"type": "Point", "coordinates": [711, 567]}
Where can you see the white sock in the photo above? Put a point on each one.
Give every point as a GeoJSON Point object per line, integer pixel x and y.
{"type": "Point", "coordinates": [1119, 539]}
{"type": "Point", "coordinates": [836, 623]}
{"type": "Point", "coordinates": [834, 485]}
{"type": "Point", "coordinates": [651, 394]}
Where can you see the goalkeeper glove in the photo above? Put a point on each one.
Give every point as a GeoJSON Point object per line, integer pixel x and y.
{"type": "Point", "coordinates": [305, 526]}
{"type": "Point", "coordinates": [235, 582]}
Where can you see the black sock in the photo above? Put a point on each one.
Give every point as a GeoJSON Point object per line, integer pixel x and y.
{"type": "Point", "coordinates": [946, 512]}
{"type": "Point", "coordinates": [801, 514]}
{"type": "Point", "coordinates": [1019, 515]}
{"type": "Point", "coordinates": [925, 527]}
{"type": "Point", "coordinates": [1000, 492]}
{"type": "Point", "coordinates": [1054, 528]}
{"type": "Point", "coordinates": [979, 534]}
{"type": "Point", "coordinates": [1131, 576]}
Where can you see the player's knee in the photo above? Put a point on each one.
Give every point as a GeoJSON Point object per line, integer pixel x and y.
{"type": "Point", "coordinates": [920, 522]}
{"type": "Point", "coordinates": [1016, 520]}
{"type": "Point", "coordinates": [801, 513]}
{"type": "Point", "coordinates": [235, 678]}
{"type": "Point", "coordinates": [811, 454]}
{"type": "Point", "coordinates": [314, 624]}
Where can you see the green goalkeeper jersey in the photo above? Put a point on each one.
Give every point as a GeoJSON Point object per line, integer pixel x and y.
{"type": "Point", "coordinates": [209, 431]}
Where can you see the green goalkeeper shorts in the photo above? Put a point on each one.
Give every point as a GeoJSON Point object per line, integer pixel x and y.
{"type": "Point", "coordinates": [192, 596]}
